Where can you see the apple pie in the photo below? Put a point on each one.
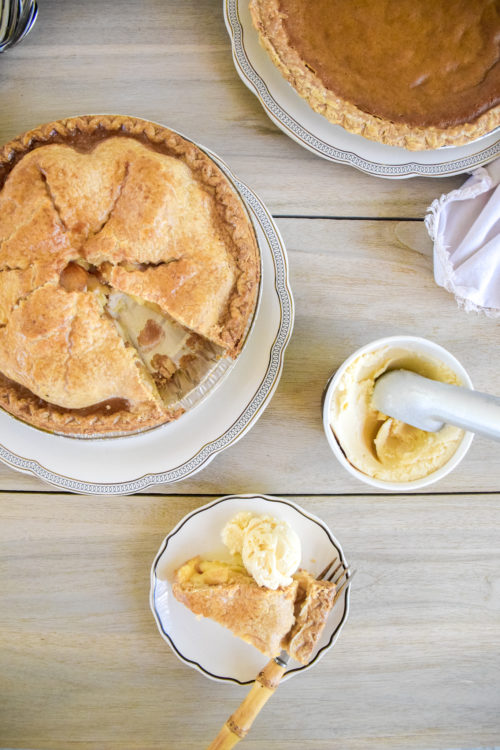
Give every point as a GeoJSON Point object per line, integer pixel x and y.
{"type": "Point", "coordinates": [419, 75]}
{"type": "Point", "coordinates": [290, 617]}
{"type": "Point", "coordinates": [128, 267]}
{"type": "Point", "coordinates": [226, 593]}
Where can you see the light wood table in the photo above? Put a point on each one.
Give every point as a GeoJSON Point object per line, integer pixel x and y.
{"type": "Point", "coordinates": [417, 666]}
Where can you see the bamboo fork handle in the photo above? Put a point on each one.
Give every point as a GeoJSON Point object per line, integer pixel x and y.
{"type": "Point", "coordinates": [239, 723]}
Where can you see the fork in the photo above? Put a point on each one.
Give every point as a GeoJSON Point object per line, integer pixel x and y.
{"type": "Point", "coordinates": [239, 723]}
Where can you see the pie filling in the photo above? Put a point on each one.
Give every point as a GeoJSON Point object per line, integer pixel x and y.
{"type": "Point", "coordinates": [173, 357]}
{"type": "Point", "coordinates": [204, 573]}
{"type": "Point", "coordinates": [176, 358]}
{"type": "Point", "coordinates": [290, 617]}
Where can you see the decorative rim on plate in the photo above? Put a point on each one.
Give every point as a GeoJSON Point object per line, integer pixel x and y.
{"type": "Point", "coordinates": [306, 138]}
{"type": "Point", "coordinates": [152, 598]}
{"type": "Point", "coordinates": [253, 409]}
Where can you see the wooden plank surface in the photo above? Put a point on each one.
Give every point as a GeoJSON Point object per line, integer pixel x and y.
{"type": "Point", "coordinates": [417, 666]}
{"type": "Point", "coordinates": [349, 279]}
{"type": "Point", "coordinates": [83, 666]}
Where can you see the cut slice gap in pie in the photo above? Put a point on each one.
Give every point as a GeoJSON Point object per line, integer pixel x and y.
{"type": "Point", "coordinates": [177, 359]}
{"type": "Point", "coordinates": [169, 358]}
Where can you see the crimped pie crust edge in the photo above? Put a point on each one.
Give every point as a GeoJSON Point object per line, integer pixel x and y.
{"type": "Point", "coordinates": [233, 218]}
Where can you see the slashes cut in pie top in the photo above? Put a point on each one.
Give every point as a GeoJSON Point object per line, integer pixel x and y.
{"type": "Point", "coordinates": [418, 74]}
{"type": "Point", "coordinates": [128, 265]}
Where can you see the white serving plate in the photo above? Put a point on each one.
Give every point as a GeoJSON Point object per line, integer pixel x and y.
{"type": "Point", "coordinates": [204, 644]}
{"type": "Point", "coordinates": [295, 117]}
{"type": "Point", "coordinates": [123, 465]}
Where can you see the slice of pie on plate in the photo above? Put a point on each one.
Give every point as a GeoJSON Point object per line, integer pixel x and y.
{"type": "Point", "coordinates": [290, 617]}
{"type": "Point", "coordinates": [128, 268]}
{"type": "Point", "coordinates": [226, 593]}
{"type": "Point", "coordinates": [419, 75]}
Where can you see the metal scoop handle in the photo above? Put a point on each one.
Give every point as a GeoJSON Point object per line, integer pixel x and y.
{"type": "Point", "coordinates": [429, 404]}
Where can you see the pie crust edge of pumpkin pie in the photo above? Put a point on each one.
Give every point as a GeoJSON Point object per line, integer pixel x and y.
{"type": "Point", "coordinates": [18, 401]}
{"type": "Point", "coordinates": [267, 19]}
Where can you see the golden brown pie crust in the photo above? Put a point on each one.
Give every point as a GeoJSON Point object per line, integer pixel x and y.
{"type": "Point", "coordinates": [313, 604]}
{"type": "Point", "coordinates": [38, 283]}
{"type": "Point", "coordinates": [328, 49]}
{"type": "Point", "coordinates": [290, 617]}
{"type": "Point", "coordinates": [258, 615]}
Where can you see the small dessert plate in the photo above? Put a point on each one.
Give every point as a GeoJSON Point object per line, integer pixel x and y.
{"type": "Point", "coordinates": [204, 644]}
{"type": "Point", "coordinates": [295, 118]}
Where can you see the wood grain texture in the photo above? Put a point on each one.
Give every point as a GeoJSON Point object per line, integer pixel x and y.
{"type": "Point", "coordinates": [171, 62]}
{"type": "Point", "coordinates": [82, 665]}
{"type": "Point", "coordinates": [353, 282]}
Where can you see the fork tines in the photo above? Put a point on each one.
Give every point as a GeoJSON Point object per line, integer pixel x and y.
{"type": "Point", "coordinates": [340, 576]}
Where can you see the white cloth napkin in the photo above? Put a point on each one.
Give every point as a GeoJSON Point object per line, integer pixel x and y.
{"type": "Point", "coordinates": [465, 228]}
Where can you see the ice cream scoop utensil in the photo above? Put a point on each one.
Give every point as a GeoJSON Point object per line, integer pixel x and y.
{"type": "Point", "coordinates": [238, 725]}
{"type": "Point", "coordinates": [429, 404]}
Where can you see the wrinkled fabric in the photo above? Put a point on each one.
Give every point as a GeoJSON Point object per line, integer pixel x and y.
{"type": "Point", "coordinates": [465, 228]}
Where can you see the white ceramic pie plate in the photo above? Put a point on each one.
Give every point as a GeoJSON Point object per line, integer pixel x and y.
{"type": "Point", "coordinates": [295, 117]}
{"type": "Point", "coordinates": [177, 450]}
{"type": "Point", "coordinates": [204, 644]}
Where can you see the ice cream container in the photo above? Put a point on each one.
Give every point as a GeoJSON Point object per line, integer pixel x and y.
{"type": "Point", "coordinates": [375, 449]}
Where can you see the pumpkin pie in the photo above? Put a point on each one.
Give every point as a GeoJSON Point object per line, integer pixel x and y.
{"type": "Point", "coordinates": [128, 266]}
{"type": "Point", "coordinates": [420, 75]}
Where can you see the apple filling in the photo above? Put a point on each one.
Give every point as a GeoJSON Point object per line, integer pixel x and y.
{"type": "Point", "coordinates": [176, 358]}
{"type": "Point", "coordinates": [211, 573]}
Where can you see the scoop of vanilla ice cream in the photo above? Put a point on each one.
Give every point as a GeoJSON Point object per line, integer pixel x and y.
{"type": "Point", "coordinates": [234, 530]}
{"type": "Point", "coordinates": [376, 444]}
{"type": "Point", "coordinates": [269, 547]}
